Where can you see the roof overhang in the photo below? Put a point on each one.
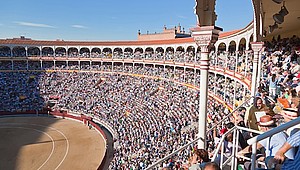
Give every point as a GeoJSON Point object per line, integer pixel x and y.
{"type": "Point", "coordinates": [291, 24]}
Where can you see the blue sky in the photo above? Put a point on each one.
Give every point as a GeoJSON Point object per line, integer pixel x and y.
{"type": "Point", "coordinates": [109, 19]}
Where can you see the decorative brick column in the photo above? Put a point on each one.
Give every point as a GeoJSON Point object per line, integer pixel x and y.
{"type": "Point", "coordinates": [256, 47]}
{"type": "Point", "coordinates": [205, 37]}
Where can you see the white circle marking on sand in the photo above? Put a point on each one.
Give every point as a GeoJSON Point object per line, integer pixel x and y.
{"type": "Point", "coordinates": [53, 146]}
{"type": "Point", "coordinates": [67, 149]}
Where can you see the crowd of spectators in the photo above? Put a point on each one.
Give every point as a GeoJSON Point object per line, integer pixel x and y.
{"type": "Point", "coordinates": [147, 113]}
{"type": "Point", "coordinates": [70, 88]}
{"type": "Point", "coordinates": [150, 108]}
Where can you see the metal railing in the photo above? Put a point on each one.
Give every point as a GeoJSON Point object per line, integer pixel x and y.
{"type": "Point", "coordinates": [233, 155]}
{"type": "Point", "coordinates": [253, 141]}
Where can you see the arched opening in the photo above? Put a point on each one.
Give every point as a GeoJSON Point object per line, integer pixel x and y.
{"type": "Point", "coordinates": [107, 52]}
{"type": "Point", "coordinates": [33, 51]}
{"type": "Point", "coordinates": [180, 49]}
{"type": "Point", "coordinates": [190, 49]}
{"type": "Point", "coordinates": [170, 50]}
{"type": "Point", "coordinates": [221, 47]}
{"type": "Point", "coordinates": [19, 51]}
{"type": "Point", "coordinates": [95, 52]}
{"type": "Point", "coordinates": [138, 50]}
{"type": "Point", "coordinates": [159, 50]}
{"type": "Point", "coordinates": [72, 51]}
{"type": "Point", "coordinates": [84, 52]}
{"type": "Point", "coordinates": [60, 52]}
{"type": "Point", "coordinates": [149, 50]}
{"type": "Point", "coordinates": [118, 51]}
{"type": "Point", "coordinates": [251, 40]}
{"type": "Point", "coordinates": [47, 51]}
{"type": "Point", "coordinates": [5, 51]}
{"type": "Point", "coordinates": [232, 47]}
{"type": "Point", "coordinates": [242, 44]}
{"type": "Point", "coordinates": [128, 50]}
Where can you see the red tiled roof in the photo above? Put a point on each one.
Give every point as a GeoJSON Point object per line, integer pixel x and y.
{"type": "Point", "coordinates": [93, 43]}
{"type": "Point", "coordinates": [103, 43]}
{"type": "Point", "coordinates": [225, 34]}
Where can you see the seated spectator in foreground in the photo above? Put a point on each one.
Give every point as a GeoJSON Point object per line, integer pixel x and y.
{"type": "Point", "coordinates": [276, 141]}
{"type": "Point", "coordinates": [280, 156]}
{"type": "Point", "coordinates": [288, 115]}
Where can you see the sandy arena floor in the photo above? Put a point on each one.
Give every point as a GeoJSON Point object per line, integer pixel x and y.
{"type": "Point", "coordinates": [48, 143]}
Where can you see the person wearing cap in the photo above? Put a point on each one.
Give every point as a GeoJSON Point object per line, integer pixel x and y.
{"type": "Point", "coordinates": [295, 82]}
{"type": "Point", "coordinates": [271, 144]}
{"type": "Point", "coordinates": [276, 141]}
{"type": "Point", "coordinates": [288, 115]}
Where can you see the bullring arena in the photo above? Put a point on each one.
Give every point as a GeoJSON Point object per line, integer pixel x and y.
{"type": "Point", "coordinates": [33, 142]}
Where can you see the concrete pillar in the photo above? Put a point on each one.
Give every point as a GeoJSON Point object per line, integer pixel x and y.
{"type": "Point", "coordinates": [236, 62]}
{"type": "Point", "coordinates": [235, 71]}
{"type": "Point", "coordinates": [259, 69]}
{"type": "Point", "coordinates": [225, 86]}
{"type": "Point", "coordinates": [215, 81]}
{"type": "Point", "coordinates": [26, 52]}
{"type": "Point", "coordinates": [184, 74]}
{"type": "Point", "coordinates": [246, 63]}
{"type": "Point", "coordinates": [234, 95]}
{"type": "Point", "coordinates": [204, 37]}
{"type": "Point", "coordinates": [256, 47]}
{"type": "Point", "coordinates": [195, 77]}
{"type": "Point", "coordinates": [41, 51]}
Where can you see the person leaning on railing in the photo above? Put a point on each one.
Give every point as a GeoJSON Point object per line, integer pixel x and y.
{"type": "Point", "coordinates": [271, 144]}
{"type": "Point", "coordinates": [290, 164]}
